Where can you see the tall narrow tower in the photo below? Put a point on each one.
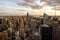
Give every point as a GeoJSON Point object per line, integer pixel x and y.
{"type": "Point", "coordinates": [27, 17]}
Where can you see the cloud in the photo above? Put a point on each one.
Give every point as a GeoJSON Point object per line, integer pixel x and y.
{"type": "Point", "coordinates": [53, 3]}
{"type": "Point", "coordinates": [7, 6]}
{"type": "Point", "coordinates": [45, 0]}
{"type": "Point", "coordinates": [57, 7]}
{"type": "Point", "coordinates": [34, 4]}
{"type": "Point", "coordinates": [29, 0]}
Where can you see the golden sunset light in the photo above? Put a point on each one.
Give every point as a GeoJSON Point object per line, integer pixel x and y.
{"type": "Point", "coordinates": [29, 19]}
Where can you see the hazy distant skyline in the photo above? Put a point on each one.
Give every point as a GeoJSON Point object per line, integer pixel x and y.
{"type": "Point", "coordinates": [32, 6]}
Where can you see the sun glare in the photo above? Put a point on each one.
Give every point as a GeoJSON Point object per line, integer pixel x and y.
{"type": "Point", "coordinates": [47, 9]}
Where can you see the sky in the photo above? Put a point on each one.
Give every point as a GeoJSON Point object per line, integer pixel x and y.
{"type": "Point", "coordinates": [34, 7]}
